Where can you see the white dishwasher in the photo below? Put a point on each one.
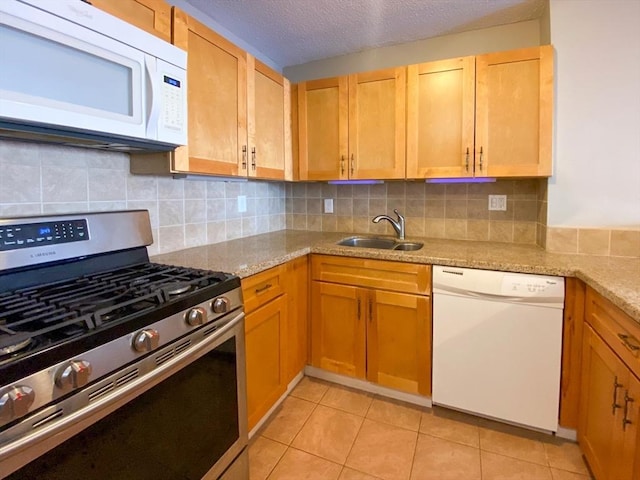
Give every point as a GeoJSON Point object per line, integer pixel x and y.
{"type": "Point", "coordinates": [497, 344]}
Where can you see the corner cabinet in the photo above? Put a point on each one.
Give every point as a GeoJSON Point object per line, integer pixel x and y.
{"type": "Point", "coordinates": [483, 116]}
{"type": "Point", "coordinates": [238, 111]}
{"type": "Point", "coordinates": [608, 430]}
{"type": "Point", "coordinates": [153, 16]}
{"type": "Point", "coordinates": [371, 319]}
{"type": "Point", "coordinates": [353, 127]}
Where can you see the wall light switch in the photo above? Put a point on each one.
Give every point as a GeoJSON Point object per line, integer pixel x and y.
{"type": "Point", "coordinates": [328, 205]}
{"type": "Point", "coordinates": [242, 203]}
{"type": "Point", "coordinates": [498, 202]}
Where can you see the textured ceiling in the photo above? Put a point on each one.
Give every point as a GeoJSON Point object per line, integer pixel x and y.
{"type": "Point", "coordinates": [291, 32]}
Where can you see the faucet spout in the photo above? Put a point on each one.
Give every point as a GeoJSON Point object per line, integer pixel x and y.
{"type": "Point", "coordinates": [398, 225]}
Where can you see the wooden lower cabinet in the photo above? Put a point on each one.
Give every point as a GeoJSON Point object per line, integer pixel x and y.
{"type": "Point", "coordinates": [296, 286]}
{"type": "Point", "coordinates": [380, 335]}
{"type": "Point", "coordinates": [609, 410]}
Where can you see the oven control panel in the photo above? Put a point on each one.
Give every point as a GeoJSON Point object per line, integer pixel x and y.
{"type": "Point", "coordinates": [26, 235]}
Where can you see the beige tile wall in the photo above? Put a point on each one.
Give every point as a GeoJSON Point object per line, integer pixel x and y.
{"type": "Point", "coordinates": [615, 242]}
{"type": "Point", "coordinates": [456, 211]}
{"type": "Point", "coordinates": [42, 179]}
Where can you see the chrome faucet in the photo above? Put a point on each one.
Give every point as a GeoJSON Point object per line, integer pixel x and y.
{"type": "Point", "coordinates": [398, 225]}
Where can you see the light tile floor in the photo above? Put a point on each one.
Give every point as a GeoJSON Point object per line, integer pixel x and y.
{"type": "Point", "coordinates": [324, 431]}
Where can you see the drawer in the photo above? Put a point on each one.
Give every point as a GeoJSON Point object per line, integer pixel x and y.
{"type": "Point", "coordinates": [619, 330]}
{"type": "Point", "coordinates": [259, 289]}
{"type": "Point", "coordinates": [364, 272]}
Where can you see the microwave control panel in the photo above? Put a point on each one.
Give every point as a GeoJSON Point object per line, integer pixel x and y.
{"type": "Point", "coordinates": [173, 103]}
{"type": "Point", "coordinates": [13, 237]}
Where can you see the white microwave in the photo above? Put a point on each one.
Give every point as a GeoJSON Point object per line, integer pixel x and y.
{"type": "Point", "coordinates": [74, 74]}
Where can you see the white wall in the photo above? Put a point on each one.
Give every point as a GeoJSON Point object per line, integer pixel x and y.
{"type": "Point", "coordinates": [475, 42]}
{"type": "Point", "coordinates": [597, 121]}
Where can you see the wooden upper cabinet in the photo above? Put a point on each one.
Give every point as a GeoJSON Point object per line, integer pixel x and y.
{"type": "Point", "coordinates": [440, 125]}
{"type": "Point", "coordinates": [268, 116]}
{"type": "Point", "coordinates": [353, 127]}
{"type": "Point", "coordinates": [489, 115]}
{"type": "Point", "coordinates": [514, 107]}
{"type": "Point", "coordinates": [377, 119]}
{"type": "Point", "coordinates": [323, 129]}
{"type": "Point", "coordinates": [217, 93]}
{"type": "Point", "coordinates": [154, 16]}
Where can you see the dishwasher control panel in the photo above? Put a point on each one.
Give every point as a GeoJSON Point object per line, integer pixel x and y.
{"type": "Point", "coordinates": [526, 285]}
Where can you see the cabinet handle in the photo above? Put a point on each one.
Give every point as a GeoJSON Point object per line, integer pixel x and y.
{"type": "Point", "coordinates": [358, 309]}
{"type": "Point", "coordinates": [253, 158]}
{"type": "Point", "coordinates": [342, 165]}
{"type": "Point", "coordinates": [466, 160]}
{"type": "Point", "coordinates": [244, 157]}
{"type": "Point", "coordinates": [627, 401]}
{"type": "Point", "coordinates": [262, 289]}
{"type": "Point", "coordinates": [353, 162]}
{"type": "Point", "coordinates": [626, 339]}
{"type": "Point", "coordinates": [481, 153]}
{"type": "Point", "coordinates": [614, 405]}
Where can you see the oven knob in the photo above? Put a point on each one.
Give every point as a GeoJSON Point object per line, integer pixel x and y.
{"type": "Point", "coordinates": [220, 305]}
{"type": "Point", "coordinates": [15, 402]}
{"type": "Point", "coordinates": [196, 316]}
{"type": "Point", "coordinates": [75, 374]}
{"type": "Point", "coordinates": [146, 340]}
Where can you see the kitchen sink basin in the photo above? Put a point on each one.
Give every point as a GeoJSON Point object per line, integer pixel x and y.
{"type": "Point", "coordinates": [382, 243]}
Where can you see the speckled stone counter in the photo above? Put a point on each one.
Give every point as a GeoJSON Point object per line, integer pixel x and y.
{"type": "Point", "coordinates": [617, 279]}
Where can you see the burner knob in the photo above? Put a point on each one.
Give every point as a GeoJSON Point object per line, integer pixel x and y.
{"type": "Point", "coordinates": [146, 340]}
{"type": "Point", "coordinates": [75, 374]}
{"type": "Point", "coordinates": [15, 402]}
{"type": "Point", "coordinates": [220, 305]}
{"type": "Point", "coordinates": [196, 316]}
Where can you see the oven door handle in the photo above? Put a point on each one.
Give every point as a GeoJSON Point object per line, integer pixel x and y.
{"type": "Point", "coordinates": [64, 427]}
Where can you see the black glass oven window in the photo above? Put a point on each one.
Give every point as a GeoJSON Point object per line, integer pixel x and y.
{"type": "Point", "coordinates": [175, 431]}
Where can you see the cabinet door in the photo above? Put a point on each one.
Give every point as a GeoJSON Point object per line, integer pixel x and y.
{"type": "Point", "coordinates": [323, 129]}
{"type": "Point", "coordinates": [399, 341]}
{"type": "Point", "coordinates": [338, 329]}
{"type": "Point", "coordinates": [153, 16]}
{"type": "Point", "coordinates": [266, 117]}
{"type": "Point", "coordinates": [629, 466]}
{"type": "Point", "coordinates": [514, 103]}
{"type": "Point", "coordinates": [217, 96]}
{"type": "Point", "coordinates": [440, 124]}
{"type": "Point", "coordinates": [602, 399]}
{"type": "Point", "coordinates": [297, 288]}
{"type": "Point", "coordinates": [265, 340]}
{"type": "Point", "coordinates": [377, 113]}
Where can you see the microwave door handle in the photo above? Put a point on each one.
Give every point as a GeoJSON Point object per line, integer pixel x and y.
{"type": "Point", "coordinates": [151, 103]}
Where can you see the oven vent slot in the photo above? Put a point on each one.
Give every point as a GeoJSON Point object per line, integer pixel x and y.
{"type": "Point", "coordinates": [169, 354]}
{"type": "Point", "coordinates": [102, 391]}
{"type": "Point", "coordinates": [127, 377]}
{"type": "Point", "coordinates": [211, 330]}
{"type": "Point", "coordinates": [47, 419]}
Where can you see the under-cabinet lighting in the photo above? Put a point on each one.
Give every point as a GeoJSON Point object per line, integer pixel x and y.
{"type": "Point", "coordinates": [208, 178]}
{"type": "Point", "coordinates": [461, 180]}
{"type": "Point", "coordinates": [355, 182]}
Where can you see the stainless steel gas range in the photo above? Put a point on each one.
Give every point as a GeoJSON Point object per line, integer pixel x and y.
{"type": "Point", "coordinates": [112, 366]}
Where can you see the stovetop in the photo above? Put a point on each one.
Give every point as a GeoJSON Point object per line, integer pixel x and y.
{"type": "Point", "coordinates": [73, 315]}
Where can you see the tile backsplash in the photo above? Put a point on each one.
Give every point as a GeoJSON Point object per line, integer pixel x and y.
{"type": "Point", "coordinates": [42, 179]}
{"type": "Point", "coordinates": [454, 210]}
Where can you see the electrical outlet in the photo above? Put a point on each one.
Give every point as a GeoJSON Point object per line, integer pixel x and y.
{"type": "Point", "coordinates": [498, 202]}
{"type": "Point", "coordinates": [328, 205]}
{"type": "Point", "coordinates": [242, 203]}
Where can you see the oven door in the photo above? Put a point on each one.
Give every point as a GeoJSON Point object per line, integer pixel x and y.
{"type": "Point", "coordinates": [186, 421]}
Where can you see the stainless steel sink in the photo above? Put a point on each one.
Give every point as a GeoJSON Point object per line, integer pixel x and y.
{"type": "Point", "coordinates": [382, 243]}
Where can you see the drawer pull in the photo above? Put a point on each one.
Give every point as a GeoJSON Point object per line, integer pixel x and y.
{"type": "Point", "coordinates": [627, 401]}
{"type": "Point", "coordinates": [262, 289]}
{"type": "Point", "coordinates": [627, 340]}
{"type": "Point", "coordinates": [614, 405]}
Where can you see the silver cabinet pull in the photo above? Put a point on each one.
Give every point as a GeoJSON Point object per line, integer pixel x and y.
{"type": "Point", "coordinates": [342, 165]}
{"type": "Point", "coordinates": [253, 158]}
{"type": "Point", "coordinates": [481, 153]}
{"type": "Point", "coordinates": [614, 405]}
{"type": "Point", "coordinates": [466, 160]}
{"type": "Point", "coordinates": [627, 401]}
{"type": "Point", "coordinates": [627, 340]}
{"type": "Point", "coordinates": [262, 289]}
{"type": "Point", "coordinates": [244, 157]}
{"type": "Point", "coordinates": [353, 161]}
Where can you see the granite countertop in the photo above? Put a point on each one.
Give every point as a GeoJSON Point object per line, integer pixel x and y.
{"type": "Point", "coordinates": [617, 279]}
